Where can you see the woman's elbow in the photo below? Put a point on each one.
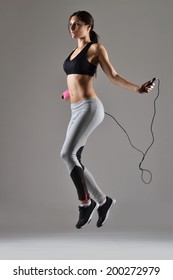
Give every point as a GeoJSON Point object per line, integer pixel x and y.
{"type": "Point", "coordinates": [113, 77]}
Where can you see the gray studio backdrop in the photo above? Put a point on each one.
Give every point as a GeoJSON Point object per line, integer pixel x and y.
{"type": "Point", "coordinates": [36, 194]}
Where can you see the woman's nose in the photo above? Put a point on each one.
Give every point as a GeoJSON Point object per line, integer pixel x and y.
{"type": "Point", "coordinates": [72, 27]}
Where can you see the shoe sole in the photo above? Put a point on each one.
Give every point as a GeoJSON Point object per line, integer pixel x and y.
{"type": "Point", "coordinates": [107, 214]}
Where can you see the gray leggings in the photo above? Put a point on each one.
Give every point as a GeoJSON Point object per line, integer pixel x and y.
{"type": "Point", "coordinates": [86, 115]}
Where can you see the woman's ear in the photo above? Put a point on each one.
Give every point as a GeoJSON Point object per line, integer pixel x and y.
{"type": "Point", "coordinates": [88, 27]}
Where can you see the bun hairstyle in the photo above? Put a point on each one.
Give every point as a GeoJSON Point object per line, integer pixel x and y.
{"type": "Point", "coordinates": [87, 19]}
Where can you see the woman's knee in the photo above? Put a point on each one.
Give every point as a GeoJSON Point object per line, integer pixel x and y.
{"type": "Point", "coordinates": [63, 154]}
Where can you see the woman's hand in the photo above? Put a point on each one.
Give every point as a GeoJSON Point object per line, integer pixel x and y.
{"type": "Point", "coordinates": [66, 95]}
{"type": "Point", "coordinates": [146, 87]}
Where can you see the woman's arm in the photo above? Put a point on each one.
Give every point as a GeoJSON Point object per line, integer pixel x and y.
{"type": "Point", "coordinates": [116, 78]}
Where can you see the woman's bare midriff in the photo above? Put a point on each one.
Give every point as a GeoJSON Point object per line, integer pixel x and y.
{"type": "Point", "coordinates": [80, 87]}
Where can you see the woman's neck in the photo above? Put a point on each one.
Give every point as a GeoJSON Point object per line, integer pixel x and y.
{"type": "Point", "coordinates": [83, 42]}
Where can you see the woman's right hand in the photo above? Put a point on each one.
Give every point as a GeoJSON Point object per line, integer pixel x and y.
{"type": "Point", "coordinates": [146, 87]}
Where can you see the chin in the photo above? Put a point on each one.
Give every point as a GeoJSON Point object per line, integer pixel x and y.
{"type": "Point", "coordinates": [73, 35]}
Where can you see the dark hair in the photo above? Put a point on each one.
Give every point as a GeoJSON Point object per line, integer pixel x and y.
{"type": "Point", "coordinates": [88, 19]}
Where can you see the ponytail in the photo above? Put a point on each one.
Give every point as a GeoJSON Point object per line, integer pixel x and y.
{"type": "Point", "coordinates": [94, 37]}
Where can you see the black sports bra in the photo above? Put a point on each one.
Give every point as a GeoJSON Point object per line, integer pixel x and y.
{"type": "Point", "coordinates": [80, 64]}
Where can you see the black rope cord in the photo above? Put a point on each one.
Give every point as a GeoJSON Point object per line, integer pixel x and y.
{"type": "Point", "coordinates": [143, 170]}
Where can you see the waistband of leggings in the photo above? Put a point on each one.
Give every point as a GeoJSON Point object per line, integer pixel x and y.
{"type": "Point", "coordinates": [87, 101]}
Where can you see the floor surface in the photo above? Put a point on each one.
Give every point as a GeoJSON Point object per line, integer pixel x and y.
{"type": "Point", "coordinates": [88, 245]}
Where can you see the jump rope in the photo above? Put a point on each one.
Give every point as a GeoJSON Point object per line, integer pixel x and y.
{"type": "Point", "coordinates": [143, 153]}
{"type": "Point", "coordinates": [66, 95]}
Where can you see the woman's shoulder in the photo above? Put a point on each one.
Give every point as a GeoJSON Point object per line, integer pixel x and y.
{"type": "Point", "coordinates": [97, 47]}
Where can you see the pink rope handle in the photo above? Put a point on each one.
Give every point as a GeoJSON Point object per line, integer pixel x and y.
{"type": "Point", "coordinates": [66, 94]}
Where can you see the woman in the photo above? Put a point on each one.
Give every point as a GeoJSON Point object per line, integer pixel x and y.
{"type": "Point", "coordinates": [87, 112]}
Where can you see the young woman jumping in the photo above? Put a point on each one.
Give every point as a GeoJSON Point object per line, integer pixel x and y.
{"type": "Point", "coordinates": [87, 112]}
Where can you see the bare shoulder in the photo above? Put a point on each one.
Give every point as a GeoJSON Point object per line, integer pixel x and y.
{"type": "Point", "coordinates": [97, 48]}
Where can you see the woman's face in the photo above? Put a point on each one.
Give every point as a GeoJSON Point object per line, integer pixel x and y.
{"type": "Point", "coordinates": [78, 29]}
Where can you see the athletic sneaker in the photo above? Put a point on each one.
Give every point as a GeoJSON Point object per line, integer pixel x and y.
{"type": "Point", "coordinates": [85, 214]}
{"type": "Point", "coordinates": [103, 211]}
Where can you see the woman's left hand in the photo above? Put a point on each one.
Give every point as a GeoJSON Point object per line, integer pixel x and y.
{"type": "Point", "coordinates": [146, 87]}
